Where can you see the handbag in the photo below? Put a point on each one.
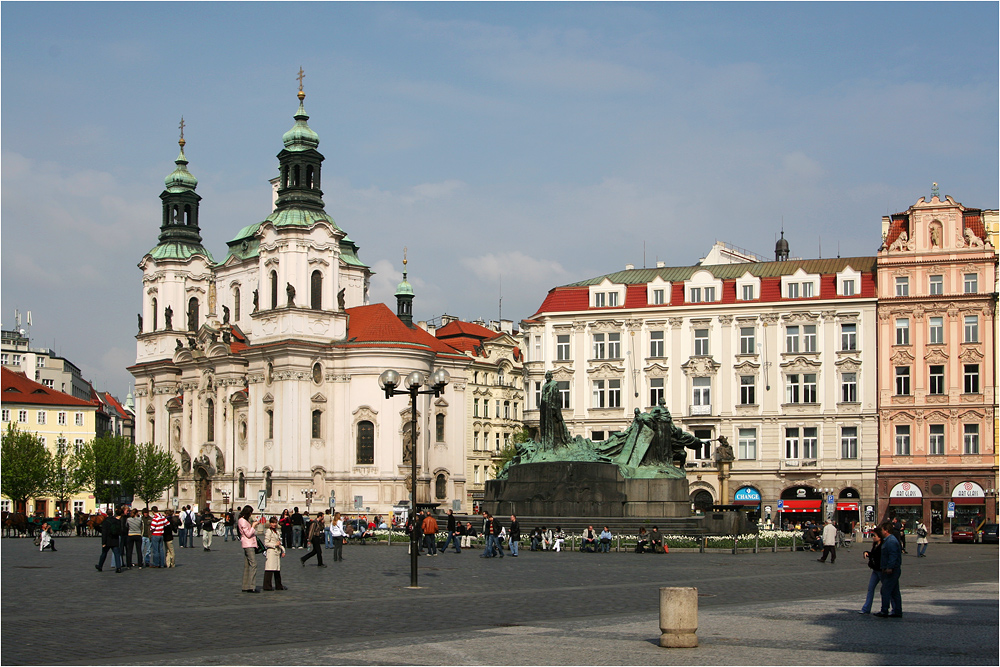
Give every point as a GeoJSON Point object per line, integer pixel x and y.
{"type": "Point", "coordinates": [259, 549]}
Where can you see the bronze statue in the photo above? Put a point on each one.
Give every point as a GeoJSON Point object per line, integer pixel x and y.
{"type": "Point", "coordinates": [552, 430]}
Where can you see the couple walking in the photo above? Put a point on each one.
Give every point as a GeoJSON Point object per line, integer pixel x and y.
{"type": "Point", "coordinates": [885, 560]}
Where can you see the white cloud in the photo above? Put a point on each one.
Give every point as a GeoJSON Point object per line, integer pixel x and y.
{"type": "Point", "coordinates": [515, 269]}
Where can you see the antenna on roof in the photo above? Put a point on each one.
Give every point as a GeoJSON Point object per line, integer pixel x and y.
{"type": "Point", "coordinates": [838, 249]}
{"type": "Point", "coordinates": [644, 254]}
{"type": "Point", "coordinates": [820, 247]}
{"type": "Point", "coordinates": [500, 318]}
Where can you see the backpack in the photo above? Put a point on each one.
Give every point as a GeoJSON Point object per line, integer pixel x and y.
{"type": "Point", "coordinates": [188, 522]}
{"type": "Point", "coordinates": [116, 527]}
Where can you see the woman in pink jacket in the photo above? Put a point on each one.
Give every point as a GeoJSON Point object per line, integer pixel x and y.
{"type": "Point", "coordinates": [248, 540]}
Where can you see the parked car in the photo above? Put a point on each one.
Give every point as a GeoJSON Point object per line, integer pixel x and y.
{"type": "Point", "coordinates": [963, 534]}
{"type": "Point", "coordinates": [988, 535]}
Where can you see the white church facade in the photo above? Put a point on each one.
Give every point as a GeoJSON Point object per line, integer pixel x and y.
{"type": "Point", "coordinates": [259, 372]}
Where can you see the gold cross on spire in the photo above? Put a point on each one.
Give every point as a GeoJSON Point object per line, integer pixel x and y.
{"type": "Point", "coordinates": [404, 257]}
{"type": "Point", "coordinates": [301, 76]}
{"type": "Point", "coordinates": [182, 142]}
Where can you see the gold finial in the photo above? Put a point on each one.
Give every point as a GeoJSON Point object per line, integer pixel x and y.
{"type": "Point", "coordinates": [301, 76]}
{"type": "Point", "coordinates": [404, 257]}
{"type": "Point", "coordinates": [181, 141]}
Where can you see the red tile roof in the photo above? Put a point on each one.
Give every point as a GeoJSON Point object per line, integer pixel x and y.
{"type": "Point", "coordinates": [460, 328]}
{"type": "Point", "coordinates": [900, 222]}
{"type": "Point", "coordinates": [377, 326]}
{"type": "Point", "coordinates": [973, 219]}
{"type": "Point", "coordinates": [16, 388]}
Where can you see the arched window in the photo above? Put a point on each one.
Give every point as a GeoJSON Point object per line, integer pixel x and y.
{"type": "Point", "coordinates": [270, 424]}
{"type": "Point", "coordinates": [441, 486]}
{"type": "Point", "coordinates": [210, 421]}
{"type": "Point", "coordinates": [366, 443]}
{"type": "Point", "coordinates": [236, 304]}
{"type": "Point", "coordinates": [439, 426]}
{"type": "Point", "coordinates": [317, 424]}
{"type": "Point", "coordinates": [187, 215]}
{"type": "Point", "coordinates": [242, 489]}
{"type": "Point", "coordinates": [267, 483]}
{"type": "Point", "coordinates": [155, 315]}
{"type": "Point", "coordinates": [309, 176]}
{"type": "Point", "coordinates": [193, 314]}
{"type": "Point", "coordinates": [274, 289]}
{"type": "Point", "coordinates": [702, 501]}
{"type": "Point", "coordinates": [295, 176]}
{"type": "Point", "coordinates": [284, 177]}
{"type": "Point", "coordinates": [175, 216]}
{"type": "Point", "coordinates": [316, 291]}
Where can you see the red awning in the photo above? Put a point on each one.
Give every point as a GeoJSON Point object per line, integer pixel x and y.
{"type": "Point", "coordinates": [746, 502]}
{"type": "Point", "coordinates": [802, 505]}
{"type": "Point", "coordinates": [969, 501]}
{"type": "Point", "coordinates": [847, 506]}
{"type": "Point", "coordinates": [906, 501]}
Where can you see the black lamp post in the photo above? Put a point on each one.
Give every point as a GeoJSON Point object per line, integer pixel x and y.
{"type": "Point", "coordinates": [388, 381]}
{"type": "Point", "coordinates": [113, 488]}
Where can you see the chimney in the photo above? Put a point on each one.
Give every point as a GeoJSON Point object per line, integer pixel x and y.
{"type": "Point", "coordinates": [629, 267]}
{"type": "Point", "coordinates": [660, 265]}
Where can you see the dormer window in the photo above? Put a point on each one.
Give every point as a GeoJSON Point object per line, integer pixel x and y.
{"type": "Point", "coordinates": [605, 299]}
{"type": "Point", "coordinates": [793, 291]}
{"type": "Point", "coordinates": [747, 293]}
{"type": "Point", "coordinates": [695, 295]}
{"type": "Point", "coordinates": [800, 285]}
{"type": "Point", "coordinates": [658, 299]}
{"type": "Point", "coordinates": [607, 294]}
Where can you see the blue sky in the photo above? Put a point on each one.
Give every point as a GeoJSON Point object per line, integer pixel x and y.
{"type": "Point", "coordinates": [544, 142]}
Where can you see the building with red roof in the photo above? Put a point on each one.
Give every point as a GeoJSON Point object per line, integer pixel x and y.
{"type": "Point", "coordinates": [260, 372]}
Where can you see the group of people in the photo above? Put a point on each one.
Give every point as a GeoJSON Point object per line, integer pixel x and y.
{"type": "Point", "coordinates": [885, 561]}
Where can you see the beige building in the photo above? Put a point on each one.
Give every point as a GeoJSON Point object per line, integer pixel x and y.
{"type": "Point", "coordinates": [778, 357]}
{"type": "Point", "coordinates": [937, 364]}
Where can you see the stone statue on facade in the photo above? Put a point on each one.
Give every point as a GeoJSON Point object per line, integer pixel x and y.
{"type": "Point", "coordinates": [225, 314]}
{"type": "Point", "coordinates": [256, 301]}
{"type": "Point", "coordinates": [724, 452]}
{"type": "Point", "coordinates": [168, 318]}
{"type": "Point", "coordinates": [971, 239]}
{"type": "Point", "coordinates": [902, 242]}
{"type": "Point", "coordinates": [341, 299]}
{"type": "Point", "coordinates": [290, 292]}
{"type": "Point", "coordinates": [140, 322]}
{"type": "Point", "coordinates": [213, 298]}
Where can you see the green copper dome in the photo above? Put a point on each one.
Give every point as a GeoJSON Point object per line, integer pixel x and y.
{"type": "Point", "coordinates": [181, 180]}
{"type": "Point", "coordinates": [300, 137]}
{"type": "Point", "coordinates": [404, 288]}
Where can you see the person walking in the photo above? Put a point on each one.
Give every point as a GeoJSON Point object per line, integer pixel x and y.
{"type": "Point", "coordinates": [891, 563]}
{"type": "Point", "coordinates": [315, 539]}
{"type": "Point", "coordinates": [157, 524]}
{"type": "Point", "coordinates": [134, 539]}
{"type": "Point", "coordinates": [453, 534]}
{"type": "Point", "coordinates": [207, 528]}
{"type": "Point", "coordinates": [921, 539]}
{"type": "Point", "coordinates": [183, 530]}
{"type": "Point", "coordinates": [515, 535]}
{"type": "Point", "coordinates": [430, 527]}
{"type": "Point", "coordinates": [285, 524]}
{"type": "Point", "coordinates": [297, 523]}
{"type": "Point", "coordinates": [829, 542]}
{"type": "Point", "coordinates": [498, 531]}
{"type": "Point", "coordinates": [230, 524]}
{"type": "Point", "coordinates": [337, 535]}
{"type": "Point", "coordinates": [274, 553]}
{"type": "Point", "coordinates": [874, 556]}
{"type": "Point", "coordinates": [328, 532]}
{"type": "Point", "coordinates": [110, 530]}
{"type": "Point", "coordinates": [248, 540]}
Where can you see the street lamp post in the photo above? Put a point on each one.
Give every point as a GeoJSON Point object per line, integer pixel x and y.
{"type": "Point", "coordinates": [388, 381]}
{"type": "Point", "coordinates": [308, 493]}
{"type": "Point", "coordinates": [113, 487]}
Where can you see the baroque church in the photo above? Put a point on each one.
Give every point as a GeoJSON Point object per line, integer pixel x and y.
{"type": "Point", "coordinates": [259, 372]}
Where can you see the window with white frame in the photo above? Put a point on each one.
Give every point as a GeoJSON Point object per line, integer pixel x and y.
{"type": "Point", "coordinates": [614, 346]}
{"type": "Point", "coordinates": [538, 395]}
{"type": "Point", "coordinates": [40, 416]}
{"type": "Point", "coordinates": [62, 445]}
{"type": "Point", "coordinates": [563, 386]}
{"type": "Point", "coordinates": [971, 378]}
{"type": "Point", "coordinates": [748, 293]}
{"type": "Point", "coordinates": [935, 444]}
{"type": "Point", "coordinates": [694, 295]}
{"type": "Point", "coordinates": [506, 409]}
{"type": "Point", "coordinates": [809, 338]}
{"type": "Point", "coordinates": [902, 440]}
{"type": "Point", "coordinates": [792, 290]}
{"type": "Point", "coordinates": [5, 415]}
{"type": "Point", "coordinates": [748, 342]}
{"type": "Point", "coordinates": [5, 505]}
{"type": "Point", "coordinates": [39, 362]}
{"type": "Point", "coordinates": [702, 391]}
{"type": "Point", "coordinates": [747, 447]}
{"type": "Point", "coordinates": [600, 299]}
{"type": "Point", "coordinates": [847, 287]}
{"type": "Point", "coordinates": [791, 443]}
{"type": "Point", "coordinates": [655, 391]}
{"type": "Point", "coordinates": [902, 380]}
{"type": "Point", "coordinates": [848, 337]}
{"type": "Point", "coordinates": [22, 416]}
{"type": "Point", "coordinates": [902, 286]}
{"type": "Point", "coordinates": [848, 442]}
{"type": "Point", "coordinates": [656, 344]}
{"type": "Point", "coordinates": [562, 347]}
{"type": "Point", "coordinates": [77, 506]}
{"type": "Point", "coordinates": [935, 330]}
{"type": "Point", "coordinates": [4, 358]}
{"type": "Point", "coordinates": [597, 436]}
{"type": "Point", "coordinates": [936, 377]}
{"type": "Point", "coordinates": [607, 394]}
{"type": "Point", "coordinates": [600, 348]}
{"type": "Point", "coordinates": [78, 446]}
{"type": "Point", "coordinates": [486, 408]}
{"type": "Point", "coordinates": [61, 419]}
{"type": "Point", "coordinates": [49, 383]}
{"type": "Point", "coordinates": [849, 388]}
{"type": "Point", "coordinates": [936, 285]}
{"type": "Point", "coordinates": [807, 290]}
{"type": "Point", "coordinates": [748, 390]}
{"type": "Point", "coordinates": [792, 338]}
{"type": "Point", "coordinates": [475, 407]}
{"type": "Point", "coordinates": [971, 283]}
{"type": "Point", "coordinates": [800, 388]}
{"type": "Point", "coordinates": [810, 443]}
{"type": "Point", "coordinates": [538, 348]}
{"type": "Point", "coordinates": [659, 296]}
{"type": "Point", "coordinates": [497, 440]}
{"type": "Point", "coordinates": [709, 294]}
{"type": "Point", "coordinates": [16, 360]}
{"type": "Point", "coordinates": [475, 475]}
{"type": "Point", "coordinates": [971, 329]}
{"type": "Point", "coordinates": [902, 331]}
{"type": "Point", "coordinates": [78, 419]}
{"type": "Point", "coordinates": [475, 440]}
{"type": "Point", "coordinates": [970, 438]}
{"type": "Point", "coordinates": [700, 342]}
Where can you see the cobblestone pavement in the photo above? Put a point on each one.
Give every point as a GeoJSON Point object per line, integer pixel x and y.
{"type": "Point", "coordinates": [540, 608]}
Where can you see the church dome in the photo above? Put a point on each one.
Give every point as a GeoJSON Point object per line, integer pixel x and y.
{"type": "Point", "coordinates": [404, 288]}
{"type": "Point", "coordinates": [300, 137]}
{"type": "Point", "coordinates": [180, 179]}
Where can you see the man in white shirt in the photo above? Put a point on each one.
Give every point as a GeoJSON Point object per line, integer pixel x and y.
{"type": "Point", "coordinates": [829, 542]}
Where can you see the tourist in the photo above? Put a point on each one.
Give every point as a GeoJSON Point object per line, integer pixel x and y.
{"type": "Point", "coordinates": [285, 523]}
{"type": "Point", "coordinates": [230, 524]}
{"type": "Point", "coordinates": [187, 524]}
{"type": "Point", "coordinates": [874, 557]}
{"type": "Point", "coordinates": [605, 538]}
{"type": "Point", "coordinates": [453, 533]}
{"type": "Point", "coordinates": [515, 535]}
{"type": "Point", "coordinates": [536, 539]}
{"type": "Point", "coordinates": [272, 561]}
{"type": "Point", "coordinates": [297, 523]}
{"type": "Point", "coordinates": [468, 535]}
{"type": "Point", "coordinates": [207, 528]}
{"type": "Point", "coordinates": [168, 538]}
{"type": "Point", "coordinates": [328, 532]}
{"type": "Point", "coordinates": [248, 540]}
{"type": "Point", "coordinates": [134, 539]}
{"type": "Point", "coordinates": [429, 527]}
{"type": "Point", "coordinates": [641, 541]}
{"type": "Point", "coordinates": [498, 532]}
{"type": "Point", "coordinates": [157, 524]}
{"type": "Point", "coordinates": [109, 542]}
{"type": "Point", "coordinates": [655, 541]}
{"type": "Point", "coordinates": [921, 539]}
{"type": "Point", "coordinates": [588, 540]}
{"type": "Point", "coordinates": [45, 540]}
{"type": "Point", "coordinates": [829, 542]}
{"type": "Point", "coordinates": [891, 563]}
{"type": "Point", "coordinates": [315, 540]}
{"type": "Point", "coordinates": [546, 538]}
{"type": "Point", "coordinates": [337, 535]}
{"type": "Point", "coordinates": [557, 539]}
{"type": "Point", "coordinates": [147, 542]}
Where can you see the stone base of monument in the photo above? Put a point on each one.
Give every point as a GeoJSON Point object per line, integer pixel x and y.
{"type": "Point", "coordinates": [581, 489]}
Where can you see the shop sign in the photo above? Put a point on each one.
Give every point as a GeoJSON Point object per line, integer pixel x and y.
{"type": "Point", "coordinates": [747, 493]}
{"type": "Point", "coordinates": [968, 490]}
{"type": "Point", "coordinates": [951, 510]}
{"type": "Point", "coordinates": [905, 490]}
{"type": "Point", "coordinates": [869, 513]}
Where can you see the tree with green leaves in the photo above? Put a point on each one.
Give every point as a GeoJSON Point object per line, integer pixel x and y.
{"type": "Point", "coordinates": [63, 480]}
{"type": "Point", "coordinates": [156, 471]}
{"type": "Point", "coordinates": [25, 465]}
{"type": "Point", "coordinates": [108, 466]}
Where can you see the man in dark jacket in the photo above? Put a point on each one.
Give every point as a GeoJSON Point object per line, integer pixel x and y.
{"type": "Point", "coordinates": [497, 529]}
{"type": "Point", "coordinates": [514, 535]}
{"type": "Point", "coordinates": [297, 528]}
{"type": "Point", "coordinates": [453, 533]}
{"type": "Point", "coordinates": [891, 561]}
{"type": "Point", "coordinates": [110, 534]}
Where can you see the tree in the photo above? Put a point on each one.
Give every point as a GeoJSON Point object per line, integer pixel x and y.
{"type": "Point", "coordinates": [25, 464]}
{"type": "Point", "coordinates": [510, 451]}
{"type": "Point", "coordinates": [63, 479]}
{"type": "Point", "coordinates": [108, 466]}
{"type": "Point", "coordinates": [156, 471]}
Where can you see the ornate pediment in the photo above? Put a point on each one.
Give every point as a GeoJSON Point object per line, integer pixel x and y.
{"type": "Point", "coordinates": [656, 370]}
{"type": "Point", "coordinates": [935, 415]}
{"type": "Point", "coordinates": [935, 355]}
{"type": "Point", "coordinates": [606, 371]}
{"type": "Point", "coordinates": [848, 365]}
{"type": "Point", "coordinates": [268, 398]}
{"type": "Point", "coordinates": [901, 358]}
{"type": "Point", "coordinates": [440, 402]}
{"type": "Point", "coordinates": [971, 415]}
{"type": "Point", "coordinates": [607, 325]}
{"type": "Point", "coordinates": [801, 364]}
{"type": "Point", "coordinates": [970, 355]}
{"type": "Point", "coordinates": [700, 367]}
{"type": "Point", "coordinates": [562, 373]}
{"type": "Point", "coordinates": [318, 398]}
{"type": "Point", "coordinates": [901, 416]}
{"type": "Point", "coordinates": [746, 368]}
{"type": "Point", "coordinates": [175, 403]}
{"type": "Point", "coordinates": [792, 318]}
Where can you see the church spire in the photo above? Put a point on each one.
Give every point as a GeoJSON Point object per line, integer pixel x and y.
{"type": "Point", "coordinates": [180, 202]}
{"type": "Point", "coordinates": [300, 162]}
{"type": "Point", "coordinates": [404, 298]}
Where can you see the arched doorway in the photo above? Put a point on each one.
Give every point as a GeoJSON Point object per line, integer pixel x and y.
{"type": "Point", "coordinates": [202, 487]}
{"type": "Point", "coordinates": [848, 509]}
{"type": "Point", "coordinates": [702, 501]}
{"type": "Point", "coordinates": [800, 504]}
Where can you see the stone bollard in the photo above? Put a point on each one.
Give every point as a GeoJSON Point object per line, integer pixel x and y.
{"type": "Point", "coordinates": [679, 617]}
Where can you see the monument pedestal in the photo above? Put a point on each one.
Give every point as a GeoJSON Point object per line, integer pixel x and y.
{"type": "Point", "coordinates": [579, 489]}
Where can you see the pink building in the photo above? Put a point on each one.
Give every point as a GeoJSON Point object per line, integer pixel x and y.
{"type": "Point", "coordinates": [936, 365]}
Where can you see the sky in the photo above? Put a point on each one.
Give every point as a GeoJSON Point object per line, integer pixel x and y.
{"type": "Point", "coordinates": [511, 148]}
